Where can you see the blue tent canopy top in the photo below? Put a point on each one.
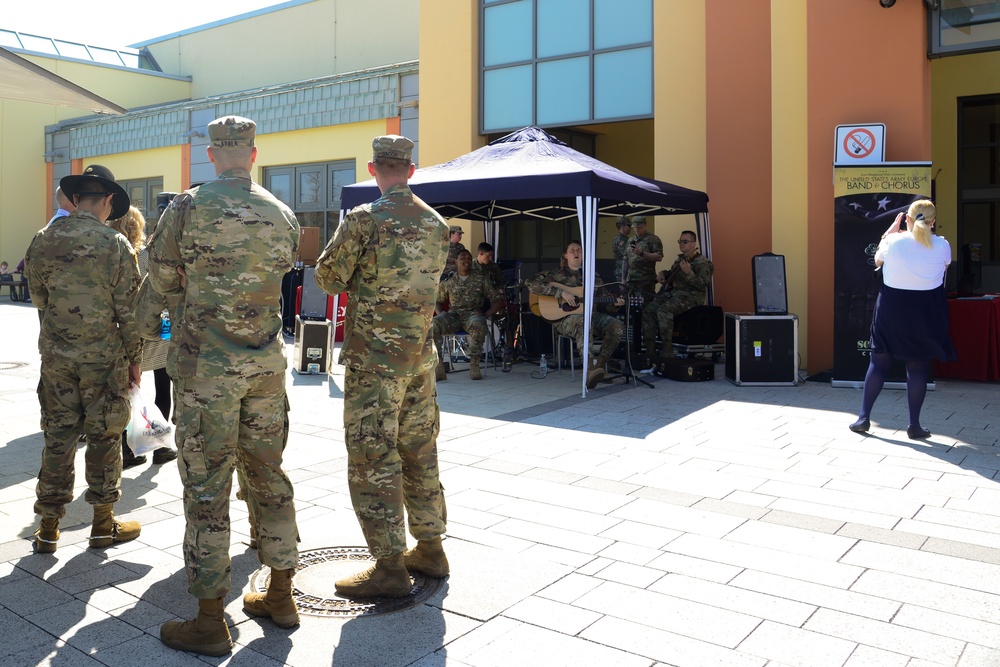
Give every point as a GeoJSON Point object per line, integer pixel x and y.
{"type": "Point", "coordinates": [531, 173]}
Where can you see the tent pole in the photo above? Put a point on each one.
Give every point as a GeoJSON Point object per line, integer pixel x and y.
{"type": "Point", "coordinates": [705, 237]}
{"type": "Point", "coordinates": [586, 208]}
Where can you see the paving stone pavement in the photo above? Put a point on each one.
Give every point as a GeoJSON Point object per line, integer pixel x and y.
{"type": "Point", "coordinates": [689, 524]}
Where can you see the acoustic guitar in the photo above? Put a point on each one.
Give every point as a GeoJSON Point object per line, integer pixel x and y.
{"type": "Point", "coordinates": [553, 309]}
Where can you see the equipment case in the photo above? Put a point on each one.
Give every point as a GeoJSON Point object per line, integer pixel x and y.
{"type": "Point", "coordinates": [312, 351]}
{"type": "Point", "coordinates": [762, 350]}
{"type": "Point", "coordinates": [686, 370]}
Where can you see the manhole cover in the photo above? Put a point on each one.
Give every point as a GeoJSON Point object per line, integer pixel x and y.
{"type": "Point", "coordinates": [11, 365]}
{"type": "Point", "coordinates": [318, 569]}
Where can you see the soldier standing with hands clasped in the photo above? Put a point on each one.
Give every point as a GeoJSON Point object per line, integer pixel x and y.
{"type": "Point", "coordinates": [388, 256]}
{"type": "Point", "coordinates": [83, 278]}
{"type": "Point", "coordinates": [218, 256]}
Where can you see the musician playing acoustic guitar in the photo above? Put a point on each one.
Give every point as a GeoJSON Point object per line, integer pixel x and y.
{"type": "Point", "coordinates": [557, 283]}
{"type": "Point", "coordinates": [686, 287]}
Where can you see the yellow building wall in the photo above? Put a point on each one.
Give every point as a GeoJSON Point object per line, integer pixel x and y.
{"type": "Point", "coordinates": [305, 41]}
{"type": "Point", "coordinates": [449, 80]}
{"type": "Point", "coordinates": [127, 88]}
{"type": "Point", "coordinates": [155, 163]}
{"type": "Point", "coordinates": [22, 175]}
{"type": "Point", "coordinates": [951, 78]}
{"type": "Point", "coordinates": [789, 155]}
{"type": "Point", "coordinates": [340, 142]}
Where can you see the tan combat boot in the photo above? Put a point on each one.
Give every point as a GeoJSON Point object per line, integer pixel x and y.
{"type": "Point", "coordinates": [107, 530]}
{"type": "Point", "coordinates": [388, 578]}
{"type": "Point", "coordinates": [475, 373]}
{"type": "Point", "coordinates": [278, 603]}
{"type": "Point", "coordinates": [597, 373]}
{"type": "Point", "coordinates": [207, 633]}
{"type": "Point", "coordinates": [428, 559]}
{"type": "Point", "coordinates": [47, 535]}
{"type": "Point", "coordinates": [441, 372]}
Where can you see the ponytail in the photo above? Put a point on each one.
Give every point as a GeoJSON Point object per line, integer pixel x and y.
{"type": "Point", "coordinates": [922, 213]}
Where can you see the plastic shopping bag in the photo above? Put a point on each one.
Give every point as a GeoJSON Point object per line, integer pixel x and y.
{"type": "Point", "coordinates": [147, 429]}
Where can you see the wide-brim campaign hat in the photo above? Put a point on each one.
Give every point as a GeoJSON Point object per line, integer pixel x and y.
{"type": "Point", "coordinates": [95, 172]}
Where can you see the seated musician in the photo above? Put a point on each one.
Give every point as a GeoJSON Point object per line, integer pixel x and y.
{"type": "Point", "coordinates": [484, 262]}
{"type": "Point", "coordinates": [565, 284]}
{"type": "Point", "coordinates": [685, 287]}
{"type": "Point", "coordinates": [467, 291]}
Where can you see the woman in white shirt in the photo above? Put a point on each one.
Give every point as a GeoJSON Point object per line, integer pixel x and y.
{"type": "Point", "coordinates": [911, 313]}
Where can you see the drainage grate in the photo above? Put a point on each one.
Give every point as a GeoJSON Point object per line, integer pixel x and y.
{"type": "Point", "coordinates": [318, 569]}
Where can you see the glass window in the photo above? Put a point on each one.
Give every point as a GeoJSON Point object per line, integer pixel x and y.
{"type": "Point", "coordinates": [622, 23]}
{"type": "Point", "coordinates": [623, 84]}
{"type": "Point", "coordinates": [106, 56]}
{"type": "Point", "coordinates": [563, 91]}
{"type": "Point", "coordinates": [507, 35]}
{"type": "Point", "coordinates": [279, 184]}
{"type": "Point", "coordinates": [310, 193]}
{"type": "Point", "coordinates": [979, 175]}
{"type": "Point", "coordinates": [964, 25]}
{"type": "Point", "coordinates": [40, 44]}
{"type": "Point", "coordinates": [563, 27]}
{"type": "Point", "coordinates": [507, 98]}
{"type": "Point", "coordinates": [73, 50]}
{"type": "Point", "coordinates": [8, 38]}
{"type": "Point", "coordinates": [582, 61]}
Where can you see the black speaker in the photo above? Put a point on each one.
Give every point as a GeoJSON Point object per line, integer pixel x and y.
{"type": "Point", "coordinates": [770, 295]}
{"type": "Point", "coordinates": [290, 284]}
{"type": "Point", "coordinates": [762, 349]}
{"type": "Point", "coordinates": [313, 306]}
{"type": "Point", "coordinates": [702, 325]}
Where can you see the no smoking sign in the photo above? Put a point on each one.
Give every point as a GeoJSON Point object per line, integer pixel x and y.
{"type": "Point", "coordinates": [859, 144]}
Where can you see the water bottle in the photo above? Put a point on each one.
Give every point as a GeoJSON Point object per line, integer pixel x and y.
{"type": "Point", "coordinates": [543, 366]}
{"type": "Point", "coordinates": [507, 359]}
{"type": "Point", "coordinates": [447, 357]}
{"type": "Point", "coordinates": [165, 325]}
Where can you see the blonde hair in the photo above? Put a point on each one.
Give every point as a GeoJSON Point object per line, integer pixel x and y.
{"type": "Point", "coordinates": [922, 213]}
{"type": "Point", "coordinates": [132, 226]}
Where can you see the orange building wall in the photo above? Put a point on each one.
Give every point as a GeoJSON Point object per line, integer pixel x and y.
{"type": "Point", "coordinates": [738, 71]}
{"type": "Point", "coordinates": [866, 64]}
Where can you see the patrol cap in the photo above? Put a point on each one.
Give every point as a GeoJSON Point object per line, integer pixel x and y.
{"type": "Point", "coordinates": [120, 203]}
{"type": "Point", "coordinates": [622, 220]}
{"type": "Point", "coordinates": [392, 146]}
{"type": "Point", "coordinates": [638, 220]}
{"type": "Point", "coordinates": [456, 228]}
{"type": "Point", "coordinates": [231, 132]}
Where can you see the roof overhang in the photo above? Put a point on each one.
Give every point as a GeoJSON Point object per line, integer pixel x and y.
{"type": "Point", "coordinates": [21, 79]}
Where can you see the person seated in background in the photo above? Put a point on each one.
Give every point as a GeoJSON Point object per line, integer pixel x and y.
{"type": "Point", "coordinates": [603, 325]}
{"type": "Point", "coordinates": [25, 294]}
{"type": "Point", "coordinates": [7, 278]}
{"type": "Point", "coordinates": [484, 262]}
{"type": "Point", "coordinates": [466, 291]}
{"type": "Point", "coordinates": [685, 287]}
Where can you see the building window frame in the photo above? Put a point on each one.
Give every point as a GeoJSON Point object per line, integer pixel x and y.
{"type": "Point", "coordinates": [522, 69]}
{"type": "Point", "coordinates": [979, 192]}
{"type": "Point", "coordinates": [313, 191]}
{"type": "Point", "coordinates": [947, 18]}
{"type": "Point", "coordinates": [147, 189]}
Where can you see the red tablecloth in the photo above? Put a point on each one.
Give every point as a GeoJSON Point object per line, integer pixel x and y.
{"type": "Point", "coordinates": [975, 331]}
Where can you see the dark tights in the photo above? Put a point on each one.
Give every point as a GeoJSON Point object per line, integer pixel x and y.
{"type": "Point", "coordinates": [917, 373]}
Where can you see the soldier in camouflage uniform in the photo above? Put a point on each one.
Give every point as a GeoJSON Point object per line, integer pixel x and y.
{"type": "Point", "coordinates": [388, 256]}
{"type": "Point", "coordinates": [454, 247]}
{"type": "Point", "coordinates": [602, 324]}
{"type": "Point", "coordinates": [686, 287]}
{"type": "Point", "coordinates": [619, 246]}
{"type": "Point", "coordinates": [83, 279]}
{"type": "Point", "coordinates": [218, 255]}
{"type": "Point", "coordinates": [644, 252]}
{"type": "Point", "coordinates": [483, 261]}
{"type": "Point", "coordinates": [466, 292]}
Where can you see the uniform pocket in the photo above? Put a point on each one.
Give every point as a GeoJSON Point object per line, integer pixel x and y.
{"type": "Point", "coordinates": [191, 450]}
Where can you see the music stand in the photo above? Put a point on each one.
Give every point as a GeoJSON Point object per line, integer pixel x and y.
{"type": "Point", "coordinates": [631, 298]}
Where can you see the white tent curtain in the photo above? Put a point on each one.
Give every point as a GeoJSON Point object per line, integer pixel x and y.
{"type": "Point", "coordinates": [586, 211]}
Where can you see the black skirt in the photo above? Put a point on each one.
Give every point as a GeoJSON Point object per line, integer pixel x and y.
{"type": "Point", "coordinates": [912, 325]}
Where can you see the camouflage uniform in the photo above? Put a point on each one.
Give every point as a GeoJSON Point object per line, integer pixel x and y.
{"type": "Point", "coordinates": [450, 264]}
{"type": "Point", "coordinates": [466, 299]}
{"type": "Point", "coordinates": [689, 290]}
{"type": "Point", "coordinates": [602, 325]}
{"type": "Point", "coordinates": [83, 278]}
{"type": "Point", "coordinates": [642, 272]}
{"type": "Point", "coordinates": [492, 271]}
{"type": "Point", "coordinates": [388, 256]}
{"type": "Point", "coordinates": [235, 241]}
{"type": "Point", "coordinates": [620, 251]}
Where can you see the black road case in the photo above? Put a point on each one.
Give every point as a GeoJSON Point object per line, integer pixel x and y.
{"type": "Point", "coordinates": [762, 350]}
